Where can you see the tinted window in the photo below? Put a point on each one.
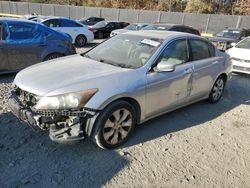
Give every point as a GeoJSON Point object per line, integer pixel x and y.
{"type": "Point", "coordinates": [21, 31]}
{"type": "Point", "coordinates": [70, 23]}
{"type": "Point", "coordinates": [179, 29]}
{"type": "Point", "coordinates": [176, 52]}
{"type": "Point", "coordinates": [199, 49]}
{"type": "Point", "coordinates": [110, 25]}
{"type": "Point", "coordinates": [248, 33]}
{"type": "Point", "coordinates": [52, 23]}
{"type": "Point", "coordinates": [227, 33]}
{"type": "Point", "coordinates": [99, 19]}
{"type": "Point", "coordinates": [211, 50]}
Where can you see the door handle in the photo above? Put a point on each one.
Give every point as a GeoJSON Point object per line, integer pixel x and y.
{"type": "Point", "coordinates": [188, 71]}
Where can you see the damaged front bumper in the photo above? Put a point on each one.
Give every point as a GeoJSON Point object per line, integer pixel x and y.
{"type": "Point", "coordinates": [64, 125]}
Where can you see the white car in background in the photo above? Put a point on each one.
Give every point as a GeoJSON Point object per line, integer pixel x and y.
{"type": "Point", "coordinates": [240, 55]}
{"type": "Point", "coordinates": [79, 33]}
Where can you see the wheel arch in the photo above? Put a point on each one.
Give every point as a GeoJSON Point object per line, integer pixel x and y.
{"type": "Point", "coordinates": [89, 129]}
{"type": "Point", "coordinates": [50, 53]}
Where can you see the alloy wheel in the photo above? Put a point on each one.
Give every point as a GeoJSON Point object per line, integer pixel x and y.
{"type": "Point", "coordinates": [118, 126]}
{"type": "Point", "coordinates": [218, 89]}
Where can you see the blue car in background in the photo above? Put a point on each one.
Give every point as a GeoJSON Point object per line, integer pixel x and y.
{"type": "Point", "coordinates": [24, 43]}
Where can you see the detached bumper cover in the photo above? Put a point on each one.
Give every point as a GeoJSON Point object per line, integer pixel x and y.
{"type": "Point", "coordinates": [21, 112]}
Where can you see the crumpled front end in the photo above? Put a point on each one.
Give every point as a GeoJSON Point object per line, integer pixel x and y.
{"type": "Point", "coordinates": [63, 125]}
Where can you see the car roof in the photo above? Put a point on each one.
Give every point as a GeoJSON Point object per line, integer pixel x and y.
{"type": "Point", "coordinates": [235, 29]}
{"type": "Point", "coordinates": [160, 34]}
{"type": "Point", "coordinates": [171, 25]}
{"type": "Point", "coordinates": [15, 20]}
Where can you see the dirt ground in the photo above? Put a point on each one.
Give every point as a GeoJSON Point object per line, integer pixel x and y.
{"type": "Point", "coordinates": [202, 145]}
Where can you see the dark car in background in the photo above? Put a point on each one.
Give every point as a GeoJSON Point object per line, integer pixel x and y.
{"type": "Point", "coordinates": [228, 37]}
{"type": "Point", "coordinates": [91, 20]}
{"type": "Point", "coordinates": [172, 27]}
{"type": "Point", "coordinates": [24, 43]}
{"type": "Point", "coordinates": [104, 28]}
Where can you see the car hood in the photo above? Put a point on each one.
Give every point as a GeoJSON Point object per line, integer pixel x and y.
{"type": "Point", "coordinates": [74, 72]}
{"type": "Point", "coordinates": [222, 39]}
{"type": "Point", "coordinates": [121, 31]}
{"type": "Point", "coordinates": [239, 53]}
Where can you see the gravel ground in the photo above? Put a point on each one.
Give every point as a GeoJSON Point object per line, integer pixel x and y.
{"type": "Point", "coordinates": [201, 145]}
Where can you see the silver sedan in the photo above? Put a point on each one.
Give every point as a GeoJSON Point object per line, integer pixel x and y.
{"type": "Point", "coordinates": [124, 81]}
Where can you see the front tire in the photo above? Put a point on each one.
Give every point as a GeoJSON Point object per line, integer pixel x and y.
{"type": "Point", "coordinates": [114, 125]}
{"type": "Point", "coordinates": [217, 90]}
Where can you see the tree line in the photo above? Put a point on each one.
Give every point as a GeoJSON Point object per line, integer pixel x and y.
{"type": "Point", "coordinates": [231, 7]}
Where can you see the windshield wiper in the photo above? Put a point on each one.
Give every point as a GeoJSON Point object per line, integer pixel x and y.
{"type": "Point", "coordinates": [122, 65]}
{"type": "Point", "coordinates": [86, 55]}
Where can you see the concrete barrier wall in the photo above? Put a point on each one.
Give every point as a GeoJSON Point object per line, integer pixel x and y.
{"type": "Point", "coordinates": [204, 22]}
{"type": "Point", "coordinates": [92, 11]}
{"type": "Point", "coordinates": [37, 8]}
{"type": "Point", "coordinates": [61, 10]}
{"type": "Point", "coordinates": [196, 21]}
{"type": "Point", "coordinates": [171, 17]}
{"type": "Point", "coordinates": [5, 6]}
{"type": "Point", "coordinates": [110, 13]}
{"type": "Point", "coordinates": [47, 10]}
{"type": "Point", "coordinates": [22, 8]}
{"type": "Point", "coordinates": [129, 15]}
{"type": "Point", "coordinates": [76, 12]}
{"type": "Point", "coordinates": [218, 22]}
{"type": "Point", "coordinates": [148, 16]}
{"type": "Point", "coordinates": [245, 22]}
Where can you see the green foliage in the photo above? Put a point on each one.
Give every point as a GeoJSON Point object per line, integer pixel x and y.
{"type": "Point", "coordinates": [38, 1]}
{"type": "Point", "coordinates": [241, 7]}
{"type": "Point", "coordinates": [199, 6]}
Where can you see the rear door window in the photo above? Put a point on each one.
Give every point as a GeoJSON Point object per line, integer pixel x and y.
{"type": "Point", "coordinates": [200, 49]}
{"type": "Point", "coordinates": [70, 23]}
{"type": "Point", "coordinates": [21, 32]}
{"type": "Point", "coordinates": [53, 23]}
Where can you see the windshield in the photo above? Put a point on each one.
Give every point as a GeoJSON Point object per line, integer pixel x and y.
{"type": "Point", "coordinates": [244, 44]}
{"type": "Point", "coordinates": [126, 51]}
{"type": "Point", "coordinates": [229, 34]}
{"type": "Point", "coordinates": [100, 24]}
{"type": "Point", "coordinates": [134, 27]}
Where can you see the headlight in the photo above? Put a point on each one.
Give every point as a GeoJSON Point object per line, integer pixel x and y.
{"type": "Point", "coordinates": [66, 101]}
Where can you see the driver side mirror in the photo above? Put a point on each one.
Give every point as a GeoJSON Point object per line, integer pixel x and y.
{"type": "Point", "coordinates": [165, 66]}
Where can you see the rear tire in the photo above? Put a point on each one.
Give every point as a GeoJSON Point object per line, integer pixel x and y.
{"type": "Point", "coordinates": [217, 90]}
{"type": "Point", "coordinates": [114, 125]}
{"type": "Point", "coordinates": [52, 56]}
{"type": "Point", "coordinates": [80, 41]}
